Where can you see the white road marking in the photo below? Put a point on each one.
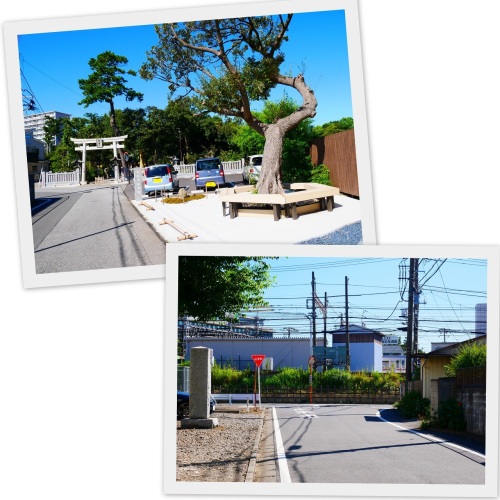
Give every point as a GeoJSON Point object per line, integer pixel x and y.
{"type": "Point", "coordinates": [305, 413]}
{"type": "Point", "coordinates": [280, 451]}
{"type": "Point", "coordinates": [433, 438]}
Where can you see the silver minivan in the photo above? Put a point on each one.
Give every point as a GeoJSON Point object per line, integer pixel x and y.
{"type": "Point", "coordinates": [251, 169]}
{"type": "Point", "coordinates": [160, 178]}
{"type": "Point", "coordinates": [209, 172]}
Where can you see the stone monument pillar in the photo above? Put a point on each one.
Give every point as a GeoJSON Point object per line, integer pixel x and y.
{"type": "Point", "coordinates": [138, 184]}
{"type": "Point", "coordinates": [200, 389]}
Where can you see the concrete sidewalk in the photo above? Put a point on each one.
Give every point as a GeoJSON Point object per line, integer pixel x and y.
{"type": "Point", "coordinates": [204, 219]}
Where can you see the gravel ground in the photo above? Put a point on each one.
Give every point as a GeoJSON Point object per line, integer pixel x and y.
{"type": "Point", "coordinates": [350, 234]}
{"type": "Point", "coordinates": [221, 454]}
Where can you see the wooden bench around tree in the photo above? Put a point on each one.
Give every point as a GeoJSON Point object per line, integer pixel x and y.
{"type": "Point", "coordinates": [234, 198]}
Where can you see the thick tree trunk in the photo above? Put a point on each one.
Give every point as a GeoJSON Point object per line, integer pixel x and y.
{"type": "Point", "coordinates": [270, 172]}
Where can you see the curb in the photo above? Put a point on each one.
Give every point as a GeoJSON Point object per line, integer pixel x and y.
{"type": "Point", "coordinates": [253, 457]}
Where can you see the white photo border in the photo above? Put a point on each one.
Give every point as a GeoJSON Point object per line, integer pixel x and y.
{"type": "Point", "coordinates": [489, 489]}
{"type": "Point", "coordinates": [11, 31]}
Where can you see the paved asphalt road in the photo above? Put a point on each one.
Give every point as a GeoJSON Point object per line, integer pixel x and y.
{"type": "Point", "coordinates": [91, 227]}
{"type": "Point", "coordinates": [351, 444]}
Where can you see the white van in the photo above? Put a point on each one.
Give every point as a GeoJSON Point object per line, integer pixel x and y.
{"type": "Point", "coordinates": [251, 169]}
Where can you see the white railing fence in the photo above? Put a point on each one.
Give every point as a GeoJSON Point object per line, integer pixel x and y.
{"type": "Point", "coordinates": [233, 167]}
{"type": "Point", "coordinates": [58, 178]}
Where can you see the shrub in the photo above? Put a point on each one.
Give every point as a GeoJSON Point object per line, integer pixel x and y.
{"type": "Point", "coordinates": [450, 416]}
{"type": "Point", "coordinates": [321, 175]}
{"type": "Point", "coordinates": [335, 379]}
{"type": "Point", "coordinates": [469, 355]}
{"type": "Point", "coordinates": [413, 405]}
{"type": "Point", "coordinates": [288, 378]}
{"type": "Point", "coordinates": [231, 379]}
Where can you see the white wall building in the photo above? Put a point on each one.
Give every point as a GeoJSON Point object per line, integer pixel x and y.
{"type": "Point", "coordinates": [285, 352]}
{"type": "Point", "coordinates": [365, 347]}
{"type": "Point", "coordinates": [393, 356]}
{"type": "Point", "coordinates": [36, 122]}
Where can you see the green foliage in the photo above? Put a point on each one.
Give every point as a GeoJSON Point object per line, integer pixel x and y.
{"type": "Point", "coordinates": [231, 379]}
{"type": "Point", "coordinates": [106, 82]}
{"type": "Point", "coordinates": [469, 355]}
{"type": "Point", "coordinates": [321, 175]}
{"type": "Point", "coordinates": [336, 379]}
{"type": "Point", "coordinates": [334, 127]}
{"type": "Point", "coordinates": [287, 378]}
{"type": "Point", "coordinates": [413, 405]}
{"type": "Point", "coordinates": [243, 71]}
{"type": "Point", "coordinates": [213, 287]}
{"type": "Point", "coordinates": [450, 416]}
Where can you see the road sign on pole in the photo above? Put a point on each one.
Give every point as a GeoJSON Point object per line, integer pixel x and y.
{"type": "Point", "coordinates": [311, 362]}
{"type": "Point", "coordinates": [258, 358]}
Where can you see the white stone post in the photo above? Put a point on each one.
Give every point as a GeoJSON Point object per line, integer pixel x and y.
{"type": "Point", "coordinates": [84, 159]}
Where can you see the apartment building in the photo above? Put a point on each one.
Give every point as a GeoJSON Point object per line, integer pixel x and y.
{"type": "Point", "coordinates": [36, 122]}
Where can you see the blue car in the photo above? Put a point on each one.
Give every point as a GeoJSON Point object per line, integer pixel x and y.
{"type": "Point", "coordinates": [183, 404]}
{"type": "Point", "coordinates": [209, 172]}
{"type": "Point", "coordinates": [160, 178]}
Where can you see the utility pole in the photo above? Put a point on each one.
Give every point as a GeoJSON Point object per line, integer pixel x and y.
{"type": "Point", "coordinates": [347, 345]}
{"type": "Point", "coordinates": [313, 284]}
{"type": "Point", "coordinates": [444, 331]}
{"type": "Point", "coordinates": [290, 329]}
{"type": "Point", "coordinates": [409, 330]}
{"type": "Point", "coordinates": [416, 301]}
{"type": "Point", "coordinates": [324, 331]}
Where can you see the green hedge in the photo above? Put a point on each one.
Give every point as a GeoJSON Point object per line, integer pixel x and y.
{"type": "Point", "coordinates": [228, 379]}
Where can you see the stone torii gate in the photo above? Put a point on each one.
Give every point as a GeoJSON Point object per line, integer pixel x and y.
{"type": "Point", "coordinates": [84, 145]}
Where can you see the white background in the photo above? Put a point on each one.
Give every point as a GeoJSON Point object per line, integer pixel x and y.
{"type": "Point", "coordinates": [81, 371]}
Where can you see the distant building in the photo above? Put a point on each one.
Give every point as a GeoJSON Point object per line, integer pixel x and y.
{"type": "Point", "coordinates": [481, 320]}
{"type": "Point", "coordinates": [365, 346]}
{"type": "Point", "coordinates": [393, 356]}
{"type": "Point", "coordinates": [36, 122]}
{"type": "Point", "coordinates": [35, 155]}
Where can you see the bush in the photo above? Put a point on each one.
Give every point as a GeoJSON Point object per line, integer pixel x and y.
{"type": "Point", "coordinates": [288, 378]}
{"type": "Point", "coordinates": [450, 416]}
{"type": "Point", "coordinates": [227, 379]}
{"type": "Point", "coordinates": [231, 379]}
{"type": "Point", "coordinates": [469, 355]}
{"type": "Point", "coordinates": [413, 405]}
{"type": "Point", "coordinates": [321, 175]}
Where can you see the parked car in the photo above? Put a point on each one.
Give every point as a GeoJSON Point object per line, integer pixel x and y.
{"type": "Point", "coordinates": [183, 404]}
{"type": "Point", "coordinates": [160, 178]}
{"type": "Point", "coordinates": [251, 169]}
{"type": "Point", "coordinates": [209, 172]}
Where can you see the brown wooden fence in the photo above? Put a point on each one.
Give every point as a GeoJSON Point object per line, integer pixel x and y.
{"type": "Point", "coordinates": [474, 376]}
{"type": "Point", "coordinates": [338, 153]}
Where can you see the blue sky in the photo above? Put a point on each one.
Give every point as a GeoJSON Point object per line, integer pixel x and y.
{"type": "Point", "coordinates": [52, 64]}
{"type": "Point", "coordinates": [449, 294]}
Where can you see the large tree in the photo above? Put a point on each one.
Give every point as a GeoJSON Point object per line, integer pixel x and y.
{"type": "Point", "coordinates": [217, 287]}
{"type": "Point", "coordinates": [106, 83]}
{"type": "Point", "coordinates": [228, 64]}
